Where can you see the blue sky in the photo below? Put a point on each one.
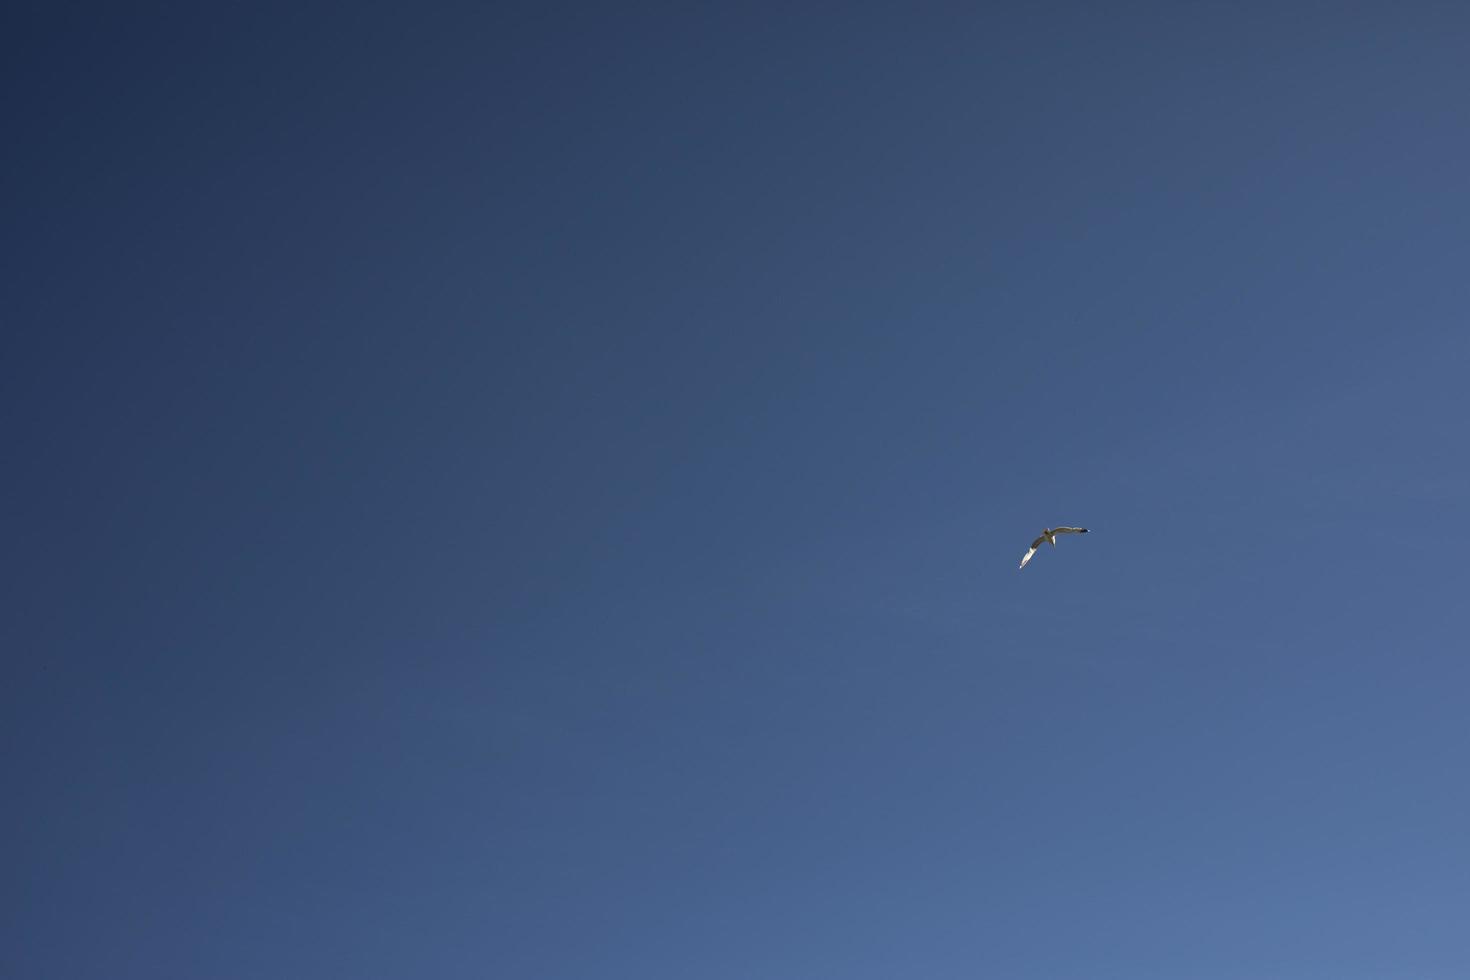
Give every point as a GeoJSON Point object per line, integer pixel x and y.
{"type": "Point", "coordinates": [536, 492]}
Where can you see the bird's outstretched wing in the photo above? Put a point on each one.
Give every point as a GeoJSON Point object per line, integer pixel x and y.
{"type": "Point", "coordinates": [1069, 530]}
{"type": "Point", "coordinates": [1034, 545]}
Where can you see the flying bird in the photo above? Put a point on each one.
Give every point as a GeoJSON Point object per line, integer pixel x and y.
{"type": "Point", "coordinates": [1049, 536]}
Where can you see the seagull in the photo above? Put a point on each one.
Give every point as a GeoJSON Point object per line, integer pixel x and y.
{"type": "Point", "coordinates": [1049, 535]}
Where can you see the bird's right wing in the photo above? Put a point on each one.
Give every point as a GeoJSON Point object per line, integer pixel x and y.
{"type": "Point", "coordinates": [1034, 545]}
{"type": "Point", "coordinates": [1069, 530]}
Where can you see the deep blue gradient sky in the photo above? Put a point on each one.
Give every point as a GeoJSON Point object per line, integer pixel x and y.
{"type": "Point", "coordinates": [536, 493]}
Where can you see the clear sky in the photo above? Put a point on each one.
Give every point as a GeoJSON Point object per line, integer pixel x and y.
{"type": "Point", "coordinates": [536, 493]}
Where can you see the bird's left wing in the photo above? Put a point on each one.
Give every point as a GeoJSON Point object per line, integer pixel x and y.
{"type": "Point", "coordinates": [1069, 530]}
{"type": "Point", "coordinates": [1034, 545]}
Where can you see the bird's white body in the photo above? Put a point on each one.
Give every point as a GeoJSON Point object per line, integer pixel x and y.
{"type": "Point", "coordinates": [1049, 536]}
